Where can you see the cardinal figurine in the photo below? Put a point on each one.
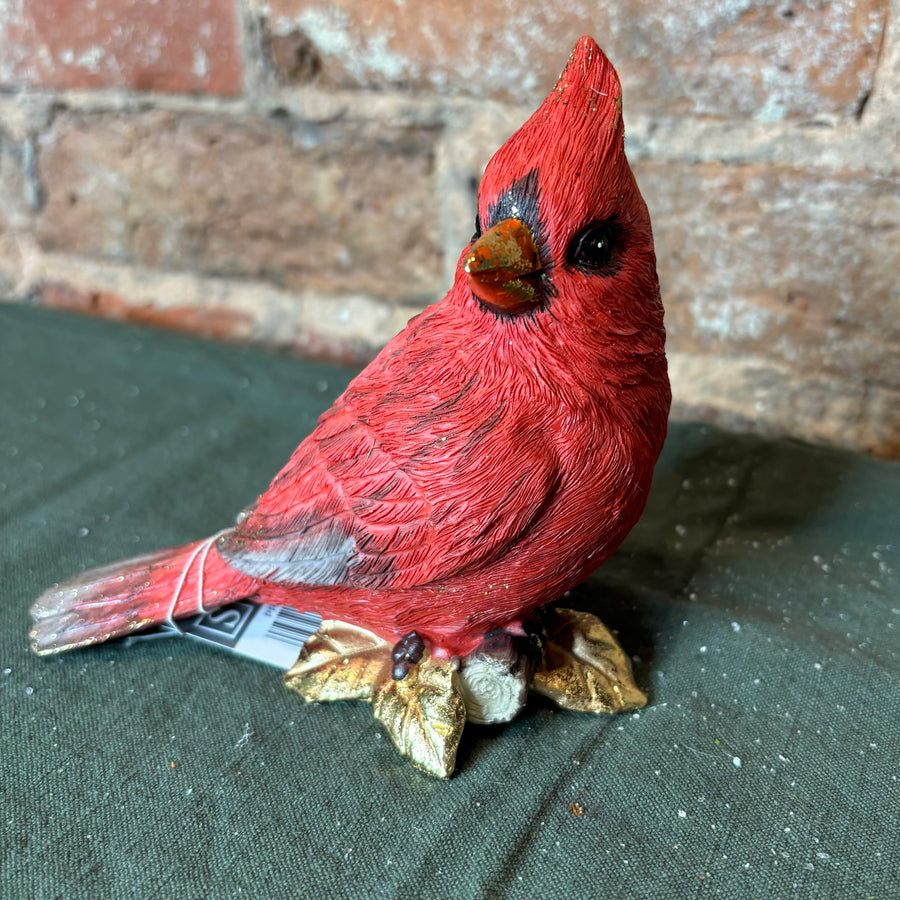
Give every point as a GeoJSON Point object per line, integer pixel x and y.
{"type": "Point", "coordinates": [492, 456]}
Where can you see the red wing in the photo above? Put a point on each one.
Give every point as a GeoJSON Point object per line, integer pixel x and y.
{"type": "Point", "coordinates": [415, 499]}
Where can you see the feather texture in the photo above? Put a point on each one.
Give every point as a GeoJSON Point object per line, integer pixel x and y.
{"type": "Point", "coordinates": [494, 453]}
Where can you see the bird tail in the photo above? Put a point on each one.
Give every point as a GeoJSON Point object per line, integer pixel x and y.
{"type": "Point", "coordinates": [133, 594]}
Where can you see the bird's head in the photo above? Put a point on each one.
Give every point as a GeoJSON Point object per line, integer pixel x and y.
{"type": "Point", "coordinates": [562, 232]}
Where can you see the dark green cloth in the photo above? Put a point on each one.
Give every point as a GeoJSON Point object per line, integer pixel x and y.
{"type": "Point", "coordinates": [760, 596]}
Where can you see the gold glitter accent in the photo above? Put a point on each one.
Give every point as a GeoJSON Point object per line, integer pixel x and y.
{"type": "Point", "coordinates": [509, 246]}
{"type": "Point", "coordinates": [499, 262]}
{"type": "Point", "coordinates": [424, 714]}
{"type": "Point", "coordinates": [340, 662]}
{"type": "Point", "coordinates": [617, 121]}
{"type": "Point", "coordinates": [584, 668]}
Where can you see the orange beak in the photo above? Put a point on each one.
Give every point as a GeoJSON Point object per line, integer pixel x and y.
{"type": "Point", "coordinates": [502, 265]}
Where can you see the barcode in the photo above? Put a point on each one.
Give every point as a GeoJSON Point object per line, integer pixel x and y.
{"type": "Point", "coordinates": [292, 627]}
{"type": "Point", "coordinates": [270, 634]}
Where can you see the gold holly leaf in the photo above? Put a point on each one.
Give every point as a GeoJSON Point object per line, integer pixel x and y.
{"type": "Point", "coordinates": [424, 714]}
{"type": "Point", "coordinates": [340, 662]}
{"type": "Point", "coordinates": [584, 668]}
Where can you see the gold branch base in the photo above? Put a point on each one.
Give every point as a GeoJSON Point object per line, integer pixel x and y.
{"type": "Point", "coordinates": [583, 668]}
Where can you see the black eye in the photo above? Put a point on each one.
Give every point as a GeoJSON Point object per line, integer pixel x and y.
{"type": "Point", "coordinates": [594, 249]}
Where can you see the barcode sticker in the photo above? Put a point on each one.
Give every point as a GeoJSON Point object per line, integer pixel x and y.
{"type": "Point", "coordinates": [269, 634]}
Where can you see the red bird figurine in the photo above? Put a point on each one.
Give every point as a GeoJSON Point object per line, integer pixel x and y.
{"type": "Point", "coordinates": [495, 452]}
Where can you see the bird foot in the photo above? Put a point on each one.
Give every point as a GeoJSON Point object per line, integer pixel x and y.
{"type": "Point", "coordinates": [406, 653]}
{"type": "Point", "coordinates": [574, 661]}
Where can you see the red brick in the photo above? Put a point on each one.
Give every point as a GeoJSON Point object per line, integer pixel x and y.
{"type": "Point", "coordinates": [293, 55]}
{"type": "Point", "coordinates": [340, 207]}
{"type": "Point", "coordinates": [168, 45]}
{"type": "Point", "coordinates": [215, 322]}
{"type": "Point", "coordinates": [713, 57]}
{"type": "Point", "coordinates": [794, 265]}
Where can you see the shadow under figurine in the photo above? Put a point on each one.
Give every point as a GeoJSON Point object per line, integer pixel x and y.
{"type": "Point", "coordinates": [492, 456]}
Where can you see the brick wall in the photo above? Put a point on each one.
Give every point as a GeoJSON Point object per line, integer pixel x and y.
{"type": "Point", "coordinates": [301, 174]}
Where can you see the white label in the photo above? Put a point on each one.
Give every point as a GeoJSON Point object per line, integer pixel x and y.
{"type": "Point", "coordinates": [269, 634]}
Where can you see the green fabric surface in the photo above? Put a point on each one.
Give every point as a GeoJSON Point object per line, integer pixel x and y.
{"type": "Point", "coordinates": [759, 594]}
